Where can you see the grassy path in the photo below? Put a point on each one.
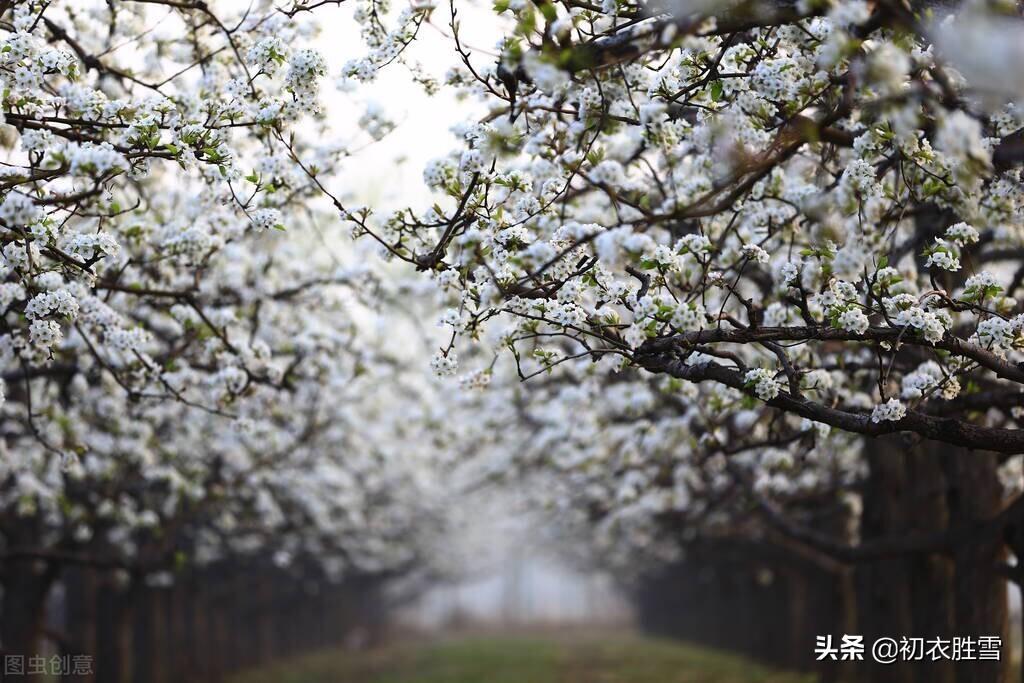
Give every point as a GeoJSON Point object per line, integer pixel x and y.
{"type": "Point", "coordinates": [519, 659]}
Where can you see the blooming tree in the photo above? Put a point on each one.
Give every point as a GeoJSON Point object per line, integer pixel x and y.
{"type": "Point", "coordinates": [768, 224]}
{"type": "Point", "coordinates": [188, 374]}
{"type": "Point", "coordinates": [727, 243]}
{"type": "Point", "coordinates": [795, 205]}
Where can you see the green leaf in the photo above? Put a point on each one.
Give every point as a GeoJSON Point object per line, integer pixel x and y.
{"type": "Point", "coordinates": [527, 22]}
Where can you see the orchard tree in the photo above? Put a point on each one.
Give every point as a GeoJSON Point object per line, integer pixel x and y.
{"type": "Point", "coordinates": [727, 241]}
{"type": "Point", "coordinates": [807, 214]}
{"type": "Point", "coordinates": [803, 179]}
{"type": "Point", "coordinates": [189, 375]}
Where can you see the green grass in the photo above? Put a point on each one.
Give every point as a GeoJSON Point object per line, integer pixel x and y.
{"type": "Point", "coordinates": [520, 659]}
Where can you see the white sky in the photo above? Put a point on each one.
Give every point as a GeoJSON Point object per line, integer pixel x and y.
{"type": "Point", "coordinates": [391, 169]}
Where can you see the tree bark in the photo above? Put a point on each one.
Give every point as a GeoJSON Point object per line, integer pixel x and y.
{"type": "Point", "coordinates": [931, 575]}
{"type": "Point", "coordinates": [113, 662]}
{"type": "Point", "coordinates": [81, 615]}
{"type": "Point", "coordinates": [980, 593]}
{"type": "Point", "coordinates": [925, 488]}
{"type": "Point", "coordinates": [884, 607]}
{"type": "Point", "coordinates": [26, 586]}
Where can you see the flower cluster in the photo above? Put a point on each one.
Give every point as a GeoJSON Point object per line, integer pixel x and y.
{"type": "Point", "coordinates": [171, 351]}
{"type": "Point", "coordinates": [709, 214]}
{"type": "Point", "coordinates": [763, 383]}
{"type": "Point", "coordinates": [890, 411]}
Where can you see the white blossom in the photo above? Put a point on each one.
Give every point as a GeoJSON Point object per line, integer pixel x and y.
{"type": "Point", "coordinates": [890, 411]}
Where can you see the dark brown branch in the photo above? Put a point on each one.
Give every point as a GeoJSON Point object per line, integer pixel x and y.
{"type": "Point", "coordinates": [947, 430]}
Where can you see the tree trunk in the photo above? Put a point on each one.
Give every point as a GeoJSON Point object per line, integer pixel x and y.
{"type": "Point", "coordinates": [81, 615]}
{"type": "Point", "coordinates": [931, 575]}
{"type": "Point", "coordinates": [884, 608]}
{"type": "Point", "coordinates": [980, 593]}
{"type": "Point", "coordinates": [177, 640]}
{"type": "Point", "coordinates": [113, 662]}
{"type": "Point", "coordinates": [156, 644]}
{"type": "Point", "coordinates": [26, 585]}
{"type": "Point", "coordinates": [921, 489]}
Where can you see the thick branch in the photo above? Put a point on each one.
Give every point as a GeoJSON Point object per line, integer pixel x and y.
{"type": "Point", "coordinates": [947, 430]}
{"type": "Point", "coordinates": [982, 356]}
